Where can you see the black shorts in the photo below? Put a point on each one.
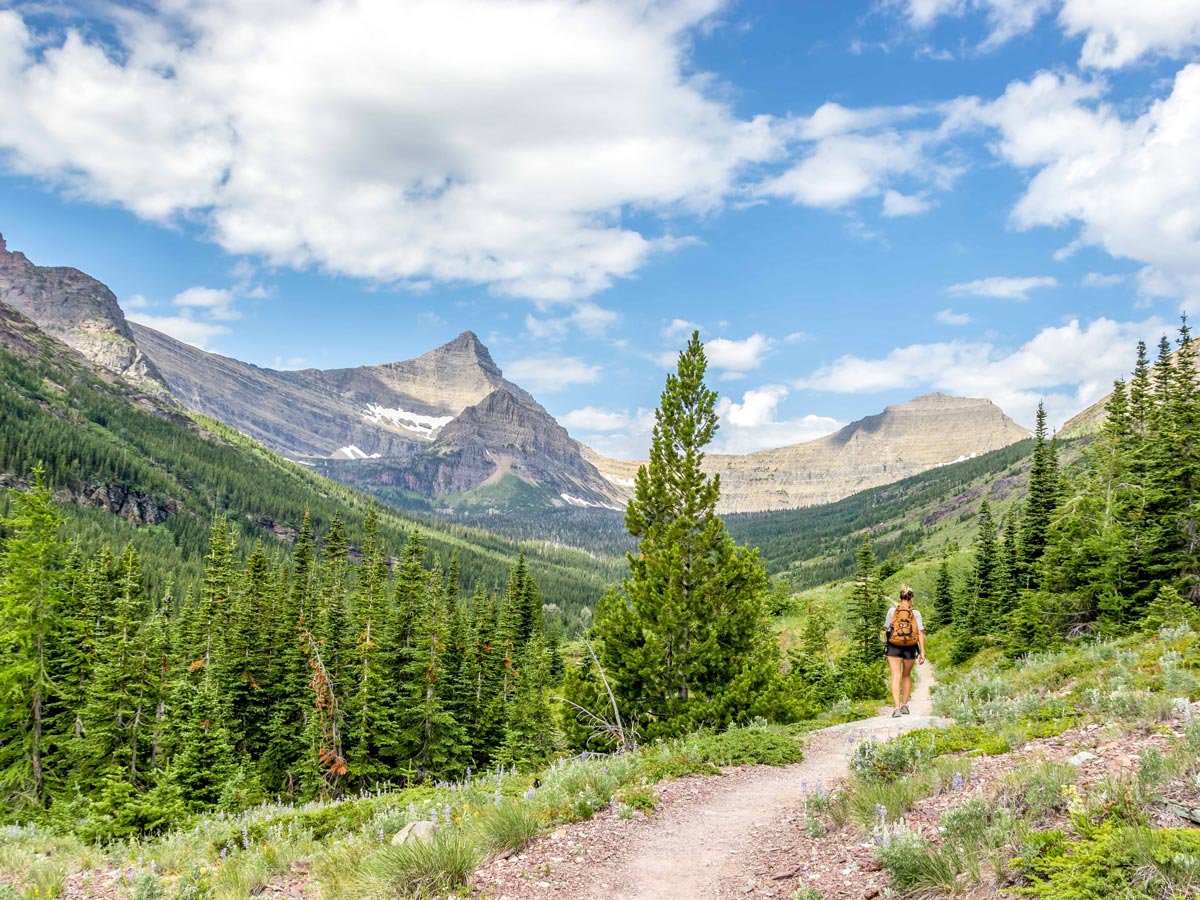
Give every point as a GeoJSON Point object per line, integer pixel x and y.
{"type": "Point", "coordinates": [903, 652]}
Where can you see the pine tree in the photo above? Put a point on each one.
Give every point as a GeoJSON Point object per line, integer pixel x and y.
{"type": "Point", "coordinates": [30, 603]}
{"type": "Point", "coordinates": [943, 598]}
{"type": "Point", "coordinates": [1039, 505]}
{"type": "Point", "coordinates": [684, 642]}
{"type": "Point", "coordinates": [370, 728]}
{"type": "Point", "coordinates": [866, 607]}
{"type": "Point", "coordinates": [531, 735]}
{"type": "Point", "coordinates": [984, 581]}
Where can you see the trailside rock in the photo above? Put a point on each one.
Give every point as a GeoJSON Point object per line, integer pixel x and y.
{"type": "Point", "coordinates": [414, 831]}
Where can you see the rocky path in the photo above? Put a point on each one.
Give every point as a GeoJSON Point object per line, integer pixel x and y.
{"type": "Point", "coordinates": [710, 837]}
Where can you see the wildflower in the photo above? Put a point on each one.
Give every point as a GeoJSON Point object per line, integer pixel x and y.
{"type": "Point", "coordinates": [529, 793]}
{"type": "Point", "coordinates": [468, 773]}
{"type": "Point", "coordinates": [245, 838]}
{"type": "Point", "coordinates": [881, 812]}
{"type": "Point", "coordinates": [584, 756]}
{"type": "Point", "coordinates": [959, 781]}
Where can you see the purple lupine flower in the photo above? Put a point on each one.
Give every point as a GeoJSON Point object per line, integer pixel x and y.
{"type": "Point", "coordinates": [529, 793]}
{"type": "Point", "coordinates": [959, 781]}
{"type": "Point", "coordinates": [881, 812]}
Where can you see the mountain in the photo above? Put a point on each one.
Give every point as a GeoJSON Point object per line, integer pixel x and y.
{"type": "Point", "coordinates": [122, 460]}
{"type": "Point", "coordinates": [903, 440]}
{"type": "Point", "coordinates": [79, 311]}
{"type": "Point", "coordinates": [444, 429]}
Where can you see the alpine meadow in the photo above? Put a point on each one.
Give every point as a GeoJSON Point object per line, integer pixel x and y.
{"type": "Point", "coordinates": [607, 450]}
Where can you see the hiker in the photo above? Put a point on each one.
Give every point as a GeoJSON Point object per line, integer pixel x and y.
{"type": "Point", "coordinates": [905, 646]}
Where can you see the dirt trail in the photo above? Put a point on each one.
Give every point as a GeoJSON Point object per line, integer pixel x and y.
{"type": "Point", "coordinates": [695, 852]}
{"type": "Point", "coordinates": [706, 847]}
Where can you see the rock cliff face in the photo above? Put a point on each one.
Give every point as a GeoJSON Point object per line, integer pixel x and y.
{"type": "Point", "coordinates": [79, 311]}
{"type": "Point", "coordinates": [903, 440]}
{"type": "Point", "coordinates": [447, 422]}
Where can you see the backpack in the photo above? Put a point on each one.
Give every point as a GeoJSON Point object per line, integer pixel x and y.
{"type": "Point", "coordinates": [903, 632]}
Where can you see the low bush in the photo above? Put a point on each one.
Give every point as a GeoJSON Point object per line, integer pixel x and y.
{"type": "Point", "coordinates": [425, 868]}
{"type": "Point", "coordinates": [508, 827]}
{"type": "Point", "coordinates": [749, 746]}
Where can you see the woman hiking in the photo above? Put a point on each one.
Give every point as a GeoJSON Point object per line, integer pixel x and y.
{"type": "Point", "coordinates": [905, 647]}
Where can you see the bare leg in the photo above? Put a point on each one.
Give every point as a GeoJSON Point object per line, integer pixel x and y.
{"type": "Point", "coordinates": [906, 682]}
{"type": "Point", "coordinates": [894, 663]}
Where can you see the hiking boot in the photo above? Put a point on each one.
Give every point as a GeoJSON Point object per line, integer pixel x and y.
{"type": "Point", "coordinates": [896, 714]}
{"type": "Point", "coordinates": [904, 709]}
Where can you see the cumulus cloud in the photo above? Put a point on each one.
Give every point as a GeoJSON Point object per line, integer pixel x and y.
{"type": "Point", "coordinates": [548, 374]}
{"type": "Point", "coordinates": [217, 302]}
{"type": "Point", "coordinates": [1132, 186]}
{"type": "Point", "coordinates": [586, 317]}
{"type": "Point", "coordinates": [950, 317]}
{"type": "Point", "coordinates": [1115, 32]}
{"type": "Point", "coordinates": [896, 204]}
{"type": "Point", "coordinates": [493, 142]}
{"type": "Point", "coordinates": [738, 356]}
{"type": "Point", "coordinates": [1069, 366]}
{"type": "Point", "coordinates": [620, 434]}
{"type": "Point", "coordinates": [183, 327]}
{"type": "Point", "coordinates": [194, 316]}
{"type": "Point", "coordinates": [679, 328]}
{"type": "Point", "coordinates": [1002, 288]}
{"type": "Point", "coordinates": [754, 423]}
{"type": "Point", "coordinates": [1118, 32]}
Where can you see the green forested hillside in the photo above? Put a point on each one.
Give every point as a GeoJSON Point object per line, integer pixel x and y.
{"type": "Point", "coordinates": [818, 544]}
{"type": "Point", "coordinates": [97, 441]}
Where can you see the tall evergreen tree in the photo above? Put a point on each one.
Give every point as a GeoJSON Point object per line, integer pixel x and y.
{"type": "Point", "coordinates": [1039, 504]}
{"type": "Point", "coordinates": [866, 607]}
{"type": "Point", "coordinates": [30, 603]}
{"type": "Point", "coordinates": [943, 598]}
{"type": "Point", "coordinates": [684, 641]}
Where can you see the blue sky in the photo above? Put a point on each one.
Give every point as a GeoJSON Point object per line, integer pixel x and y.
{"type": "Point", "coordinates": [854, 203]}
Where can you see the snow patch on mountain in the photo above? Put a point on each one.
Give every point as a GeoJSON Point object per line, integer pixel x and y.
{"type": "Point", "coordinates": [579, 501]}
{"type": "Point", "coordinates": [353, 452]}
{"type": "Point", "coordinates": [409, 421]}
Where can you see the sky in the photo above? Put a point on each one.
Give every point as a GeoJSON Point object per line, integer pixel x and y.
{"type": "Point", "coordinates": [853, 203]}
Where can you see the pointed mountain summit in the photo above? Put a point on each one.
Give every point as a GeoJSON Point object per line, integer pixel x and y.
{"type": "Point", "coordinates": [79, 311]}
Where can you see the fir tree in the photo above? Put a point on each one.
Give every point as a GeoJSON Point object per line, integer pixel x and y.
{"type": "Point", "coordinates": [943, 598]}
{"type": "Point", "coordinates": [30, 603]}
{"type": "Point", "coordinates": [531, 735]}
{"type": "Point", "coordinates": [1039, 505]}
{"type": "Point", "coordinates": [985, 572]}
{"type": "Point", "coordinates": [684, 642]}
{"type": "Point", "coordinates": [866, 607]}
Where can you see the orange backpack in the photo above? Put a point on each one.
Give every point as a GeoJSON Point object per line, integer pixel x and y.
{"type": "Point", "coordinates": [904, 628]}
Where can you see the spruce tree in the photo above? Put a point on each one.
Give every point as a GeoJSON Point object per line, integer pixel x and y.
{"type": "Point", "coordinates": [531, 735]}
{"type": "Point", "coordinates": [866, 607]}
{"type": "Point", "coordinates": [1039, 505]}
{"type": "Point", "coordinates": [30, 604]}
{"type": "Point", "coordinates": [684, 641]}
{"type": "Point", "coordinates": [943, 598]}
{"type": "Point", "coordinates": [985, 572]}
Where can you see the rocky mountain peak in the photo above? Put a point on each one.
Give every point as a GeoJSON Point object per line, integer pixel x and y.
{"type": "Point", "coordinates": [79, 311]}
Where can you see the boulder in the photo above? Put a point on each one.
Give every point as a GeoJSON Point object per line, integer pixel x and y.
{"type": "Point", "coordinates": [414, 831]}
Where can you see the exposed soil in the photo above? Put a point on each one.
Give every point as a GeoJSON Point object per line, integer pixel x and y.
{"type": "Point", "coordinates": [712, 837]}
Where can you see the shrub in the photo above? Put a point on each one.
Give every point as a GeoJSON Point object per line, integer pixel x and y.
{"type": "Point", "coordinates": [509, 826]}
{"type": "Point", "coordinates": [749, 746]}
{"type": "Point", "coordinates": [426, 868]}
{"type": "Point", "coordinates": [887, 761]}
{"type": "Point", "coordinates": [1036, 792]}
{"type": "Point", "coordinates": [641, 797]}
{"type": "Point", "coordinates": [45, 880]}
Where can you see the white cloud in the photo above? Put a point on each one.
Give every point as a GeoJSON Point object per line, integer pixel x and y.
{"type": "Point", "coordinates": [137, 301]}
{"type": "Point", "coordinates": [1070, 366]}
{"type": "Point", "coordinates": [218, 303]}
{"type": "Point", "coordinates": [738, 356]}
{"type": "Point", "coordinates": [493, 142]}
{"type": "Point", "coordinates": [679, 328]}
{"type": "Point", "coordinates": [1116, 32]}
{"type": "Point", "coordinates": [1097, 279]}
{"type": "Point", "coordinates": [1006, 18]}
{"type": "Point", "coordinates": [1119, 32]}
{"type": "Point", "coordinates": [290, 363]}
{"type": "Point", "coordinates": [182, 327]}
{"type": "Point", "coordinates": [797, 336]}
{"type": "Point", "coordinates": [754, 424]}
{"type": "Point", "coordinates": [588, 318]}
{"type": "Point", "coordinates": [950, 317]}
{"type": "Point", "coordinates": [548, 374]}
{"type": "Point", "coordinates": [1131, 185]}
{"type": "Point", "coordinates": [897, 204]}
{"type": "Point", "coordinates": [619, 434]}
{"type": "Point", "coordinates": [1002, 288]}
